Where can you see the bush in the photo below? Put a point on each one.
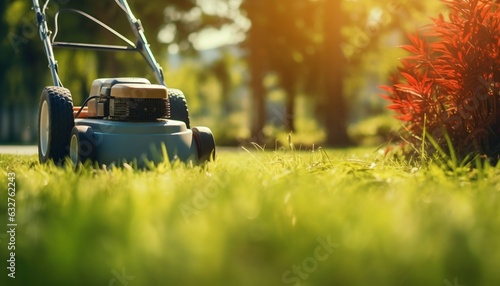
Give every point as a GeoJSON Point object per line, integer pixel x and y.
{"type": "Point", "coordinates": [448, 87]}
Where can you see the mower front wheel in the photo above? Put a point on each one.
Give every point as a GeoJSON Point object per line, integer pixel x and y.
{"type": "Point", "coordinates": [205, 143]}
{"type": "Point", "coordinates": [55, 121]}
{"type": "Point", "coordinates": [82, 145]}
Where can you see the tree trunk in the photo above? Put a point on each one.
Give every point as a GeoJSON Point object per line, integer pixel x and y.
{"type": "Point", "coordinates": [289, 87]}
{"type": "Point", "coordinates": [257, 60]}
{"type": "Point", "coordinates": [335, 109]}
{"type": "Point", "coordinates": [258, 98]}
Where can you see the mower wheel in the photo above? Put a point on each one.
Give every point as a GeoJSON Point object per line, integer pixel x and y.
{"type": "Point", "coordinates": [55, 121]}
{"type": "Point", "coordinates": [82, 145]}
{"type": "Point", "coordinates": [205, 142]}
{"type": "Point", "coordinates": [178, 106]}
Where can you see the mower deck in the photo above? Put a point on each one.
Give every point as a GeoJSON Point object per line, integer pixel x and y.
{"type": "Point", "coordinates": [141, 141]}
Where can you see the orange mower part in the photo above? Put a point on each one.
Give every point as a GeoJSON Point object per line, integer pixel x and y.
{"type": "Point", "coordinates": [83, 114]}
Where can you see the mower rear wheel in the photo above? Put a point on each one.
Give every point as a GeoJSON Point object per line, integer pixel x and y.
{"type": "Point", "coordinates": [178, 106]}
{"type": "Point", "coordinates": [55, 121]}
{"type": "Point", "coordinates": [82, 145]}
{"type": "Point", "coordinates": [205, 142]}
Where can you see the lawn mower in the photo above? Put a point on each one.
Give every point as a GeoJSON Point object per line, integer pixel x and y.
{"type": "Point", "coordinates": [123, 119]}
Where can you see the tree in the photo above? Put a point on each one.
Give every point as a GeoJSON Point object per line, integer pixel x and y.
{"type": "Point", "coordinates": [20, 65]}
{"type": "Point", "coordinates": [277, 42]}
{"type": "Point", "coordinates": [257, 45]}
{"type": "Point", "coordinates": [335, 111]}
{"type": "Point", "coordinates": [287, 38]}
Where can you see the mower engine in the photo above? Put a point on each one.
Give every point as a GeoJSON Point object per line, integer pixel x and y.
{"type": "Point", "coordinates": [128, 99]}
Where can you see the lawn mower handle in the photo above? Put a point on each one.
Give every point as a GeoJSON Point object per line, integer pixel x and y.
{"type": "Point", "coordinates": [142, 45]}
{"type": "Point", "coordinates": [44, 32]}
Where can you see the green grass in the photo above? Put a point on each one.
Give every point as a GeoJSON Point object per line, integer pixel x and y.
{"type": "Point", "coordinates": [254, 218]}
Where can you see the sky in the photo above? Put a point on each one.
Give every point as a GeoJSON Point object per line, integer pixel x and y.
{"type": "Point", "coordinates": [211, 38]}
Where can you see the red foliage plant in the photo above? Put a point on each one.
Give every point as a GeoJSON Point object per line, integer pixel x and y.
{"type": "Point", "coordinates": [449, 85]}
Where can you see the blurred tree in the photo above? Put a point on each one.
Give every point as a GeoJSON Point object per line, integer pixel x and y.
{"type": "Point", "coordinates": [18, 55]}
{"type": "Point", "coordinates": [313, 46]}
{"type": "Point", "coordinates": [302, 46]}
{"type": "Point", "coordinates": [291, 36]}
{"type": "Point", "coordinates": [334, 108]}
{"type": "Point", "coordinates": [21, 67]}
{"type": "Point", "coordinates": [221, 68]}
{"type": "Point", "coordinates": [257, 44]}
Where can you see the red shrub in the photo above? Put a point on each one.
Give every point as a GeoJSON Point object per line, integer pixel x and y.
{"type": "Point", "coordinates": [450, 82]}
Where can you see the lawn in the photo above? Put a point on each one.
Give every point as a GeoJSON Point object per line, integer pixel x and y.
{"type": "Point", "coordinates": [336, 217]}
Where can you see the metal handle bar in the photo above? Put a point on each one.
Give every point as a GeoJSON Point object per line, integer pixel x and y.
{"type": "Point", "coordinates": [142, 45]}
{"type": "Point", "coordinates": [142, 42]}
{"type": "Point", "coordinates": [44, 32]}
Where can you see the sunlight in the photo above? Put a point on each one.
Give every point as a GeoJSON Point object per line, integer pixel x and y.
{"type": "Point", "coordinates": [230, 34]}
{"type": "Point", "coordinates": [214, 38]}
{"type": "Point", "coordinates": [208, 38]}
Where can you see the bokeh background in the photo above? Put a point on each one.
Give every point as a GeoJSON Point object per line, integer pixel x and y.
{"type": "Point", "coordinates": [251, 70]}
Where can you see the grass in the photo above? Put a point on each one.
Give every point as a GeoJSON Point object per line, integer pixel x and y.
{"type": "Point", "coordinates": [345, 217]}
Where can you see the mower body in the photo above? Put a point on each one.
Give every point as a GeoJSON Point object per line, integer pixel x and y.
{"type": "Point", "coordinates": [128, 119]}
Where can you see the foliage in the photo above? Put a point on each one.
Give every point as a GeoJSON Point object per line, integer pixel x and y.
{"type": "Point", "coordinates": [250, 217]}
{"type": "Point", "coordinates": [19, 66]}
{"type": "Point", "coordinates": [447, 90]}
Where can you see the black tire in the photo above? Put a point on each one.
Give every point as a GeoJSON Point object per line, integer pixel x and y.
{"type": "Point", "coordinates": [178, 106]}
{"type": "Point", "coordinates": [55, 122]}
{"type": "Point", "coordinates": [82, 145]}
{"type": "Point", "coordinates": [205, 143]}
